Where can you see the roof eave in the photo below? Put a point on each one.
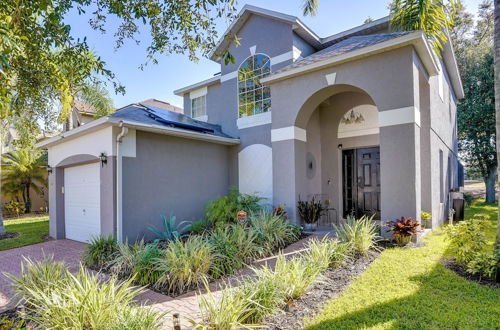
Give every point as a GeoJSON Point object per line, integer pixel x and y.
{"type": "Point", "coordinates": [245, 13]}
{"type": "Point", "coordinates": [201, 84]}
{"type": "Point", "coordinates": [115, 121]}
{"type": "Point", "coordinates": [416, 39]}
{"type": "Point", "coordinates": [452, 68]}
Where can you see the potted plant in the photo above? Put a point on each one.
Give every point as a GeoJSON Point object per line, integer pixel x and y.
{"type": "Point", "coordinates": [425, 216]}
{"type": "Point", "coordinates": [403, 230]}
{"type": "Point", "coordinates": [310, 211]}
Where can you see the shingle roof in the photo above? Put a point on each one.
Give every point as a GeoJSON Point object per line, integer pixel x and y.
{"type": "Point", "coordinates": [147, 114]}
{"type": "Point", "coordinates": [161, 105]}
{"type": "Point", "coordinates": [343, 47]}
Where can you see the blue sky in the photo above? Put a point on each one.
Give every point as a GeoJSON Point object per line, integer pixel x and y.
{"type": "Point", "coordinates": [176, 71]}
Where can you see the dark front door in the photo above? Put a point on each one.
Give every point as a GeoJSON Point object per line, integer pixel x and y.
{"type": "Point", "coordinates": [361, 182]}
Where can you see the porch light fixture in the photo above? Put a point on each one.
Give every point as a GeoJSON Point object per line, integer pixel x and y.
{"type": "Point", "coordinates": [352, 117]}
{"type": "Point", "coordinates": [49, 169]}
{"type": "Point", "coordinates": [103, 158]}
{"type": "Point", "coordinates": [340, 146]}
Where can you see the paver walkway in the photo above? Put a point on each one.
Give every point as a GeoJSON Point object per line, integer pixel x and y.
{"type": "Point", "coordinates": [10, 262]}
{"type": "Point", "coordinates": [70, 252]}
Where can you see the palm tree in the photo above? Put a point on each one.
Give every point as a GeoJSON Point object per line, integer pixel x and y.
{"type": "Point", "coordinates": [25, 168]}
{"type": "Point", "coordinates": [497, 110]}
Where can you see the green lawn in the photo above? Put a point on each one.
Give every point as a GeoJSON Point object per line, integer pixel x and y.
{"type": "Point", "coordinates": [410, 289]}
{"type": "Point", "coordinates": [32, 230]}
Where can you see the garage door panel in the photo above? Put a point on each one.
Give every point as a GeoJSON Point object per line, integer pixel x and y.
{"type": "Point", "coordinates": [82, 202]}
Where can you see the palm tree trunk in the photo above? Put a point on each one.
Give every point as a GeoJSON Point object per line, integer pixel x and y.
{"type": "Point", "coordinates": [497, 110]}
{"type": "Point", "coordinates": [490, 181]}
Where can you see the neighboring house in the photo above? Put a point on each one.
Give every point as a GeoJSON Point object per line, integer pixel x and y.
{"type": "Point", "coordinates": [83, 113]}
{"type": "Point", "coordinates": [364, 119]}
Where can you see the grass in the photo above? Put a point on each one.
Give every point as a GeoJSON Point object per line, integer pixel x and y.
{"type": "Point", "coordinates": [411, 289]}
{"type": "Point", "coordinates": [32, 230]}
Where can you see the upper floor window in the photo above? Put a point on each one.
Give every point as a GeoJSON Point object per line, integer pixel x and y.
{"type": "Point", "coordinates": [199, 106]}
{"type": "Point", "coordinates": [253, 97]}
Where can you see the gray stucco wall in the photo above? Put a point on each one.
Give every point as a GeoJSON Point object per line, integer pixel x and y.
{"type": "Point", "coordinates": [171, 175]}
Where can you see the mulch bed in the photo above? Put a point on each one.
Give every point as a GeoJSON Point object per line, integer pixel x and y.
{"type": "Point", "coordinates": [452, 265]}
{"type": "Point", "coordinates": [9, 235]}
{"type": "Point", "coordinates": [334, 282]}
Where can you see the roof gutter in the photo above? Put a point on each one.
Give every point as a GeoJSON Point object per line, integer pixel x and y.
{"type": "Point", "coordinates": [417, 39]}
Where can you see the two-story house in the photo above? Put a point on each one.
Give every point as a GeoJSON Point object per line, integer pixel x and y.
{"type": "Point", "coordinates": [365, 120]}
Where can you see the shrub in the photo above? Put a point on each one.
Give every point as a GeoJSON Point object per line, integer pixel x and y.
{"type": "Point", "coordinates": [359, 233]}
{"type": "Point", "coordinates": [468, 198]}
{"type": "Point", "coordinates": [170, 230]}
{"type": "Point", "coordinates": [99, 252]}
{"type": "Point", "coordinates": [144, 270]}
{"type": "Point", "coordinates": [483, 264]}
{"type": "Point", "coordinates": [126, 258]}
{"type": "Point", "coordinates": [200, 226]}
{"type": "Point", "coordinates": [265, 295]}
{"type": "Point", "coordinates": [137, 261]}
{"type": "Point", "coordinates": [469, 244]}
{"type": "Point", "coordinates": [273, 232]}
{"type": "Point", "coordinates": [310, 210]}
{"type": "Point", "coordinates": [467, 238]}
{"type": "Point", "coordinates": [328, 253]}
{"type": "Point", "coordinates": [184, 264]}
{"type": "Point", "coordinates": [224, 209]}
{"type": "Point", "coordinates": [425, 215]}
{"type": "Point", "coordinates": [234, 246]}
{"type": "Point", "coordinates": [57, 299]}
{"type": "Point", "coordinates": [226, 311]}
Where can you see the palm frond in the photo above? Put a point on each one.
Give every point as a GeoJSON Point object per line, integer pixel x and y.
{"type": "Point", "coordinates": [310, 7]}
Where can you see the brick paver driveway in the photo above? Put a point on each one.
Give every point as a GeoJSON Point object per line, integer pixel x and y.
{"type": "Point", "coordinates": [10, 262]}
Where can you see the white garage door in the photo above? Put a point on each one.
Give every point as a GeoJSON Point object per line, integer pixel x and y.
{"type": "Point", "coordinates": [82, 202]}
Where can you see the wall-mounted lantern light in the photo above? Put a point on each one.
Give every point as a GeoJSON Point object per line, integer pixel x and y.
{"type": "Point", "coordinates": [103, 158]}
{"type": "Point", "coordinates": [340, 146]}
{"type": "Point", "coordinates": [49, 169]}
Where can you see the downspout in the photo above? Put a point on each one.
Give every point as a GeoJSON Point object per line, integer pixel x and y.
{"type": "Point", "coordinates": [119, 176]}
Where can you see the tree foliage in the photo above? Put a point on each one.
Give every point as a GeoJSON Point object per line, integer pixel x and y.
{"type": "Point", "coordinates": [476, 112]}
{"type": "Point", "coordinates": [434, 17]}
{"type": "Point", "coordinates": [24, 170]}
{"type": "Point", "coordinates": [40, 59]}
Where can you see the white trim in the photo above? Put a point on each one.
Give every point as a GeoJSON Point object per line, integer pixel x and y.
{"type": "Point", "coordinates": [359, 132]}
{"type": "Point", "coordinates": [274, 60]}
{"type": "Point", "coordinates": [255, 120]}
{"type": "Point", "coordinates": [330, 78]}
{"type": "Point", "coordinates": [202, 118]}
{"type": "Point", "coordinates": [206, 82]}
{"type": "Point", "coordinates": [417, 39]}
{"type": "Point", "coordinates": [288, 133]}
{"type": "Point", "coordinates": [296, 52]}
{"type": "Point", "coordinates": [282, 58]}
{"type": "Point", "coordinates": [198, 92]}
{"type": "Point", "coordinates": [399, 116]}
{"type": "Point", "coordinates": [253, 49]}
{"type": "Point", "coordinates": [229, 76]}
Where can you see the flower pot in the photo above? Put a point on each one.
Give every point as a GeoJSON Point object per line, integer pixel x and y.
{"type": "Point", "coordinates": [402, 240]}
{"type": "Point", "coordinates": [310, 226]}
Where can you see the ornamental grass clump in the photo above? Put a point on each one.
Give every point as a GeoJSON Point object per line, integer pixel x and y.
{"type": "Point", "coordinates": [327, 252]}
{"type": "Point", "coordinates": [403, 229]}
{"type": "Point", "coordinates": [56, 299]}
{"type": "Point", "coordinates": [184, 264]}
{"type": "Point", "coordinates": [226, 311]}
{"type": "Point", "coordinates": [273, 231]}
{"type": "Point", "coordinates": [360, 234]}
{"type": "Point", "coordinates": [99, 252]}
{"type": "Point", "coordinates": [234, 247]}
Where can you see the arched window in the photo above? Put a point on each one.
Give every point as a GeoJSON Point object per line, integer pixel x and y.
{"type": "Point", "coordinates": [253, 97]}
